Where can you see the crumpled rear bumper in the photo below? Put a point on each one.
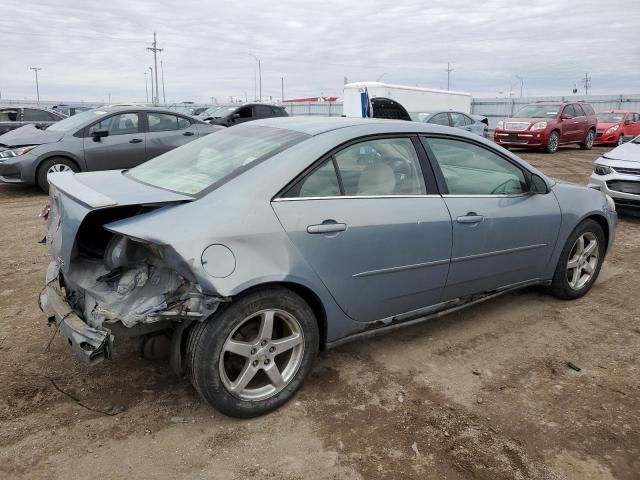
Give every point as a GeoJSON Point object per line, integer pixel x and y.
{"type": "Point", "coordinates": [90, 344]}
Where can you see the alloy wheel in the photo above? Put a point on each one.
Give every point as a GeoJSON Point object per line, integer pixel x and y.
{"type": "Point", "coordinates": [589, 141]}
{"type": "Point", "coordinates": [583, 260]}
{"type": "Point", "coordinates": [554, 142]}
{"type": "Point", "coordinates": [59, 167]}
{"type": "Point", "coordinates": [261, 355]}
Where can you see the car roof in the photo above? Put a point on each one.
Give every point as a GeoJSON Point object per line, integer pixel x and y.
{"type": "Point", "coordinates": [318, 125]}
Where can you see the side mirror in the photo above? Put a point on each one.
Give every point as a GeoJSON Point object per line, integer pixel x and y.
{"type": "Point", "coordinates": [537, 184]}
{"type": "Point", "coordinates": [566, 116]}
{"type": "Point", "coordinates": [627, 121]}
{"type": "Point", "coordinates": [235, 115]}
{"type": "Point", "coordinates": [98, 134]}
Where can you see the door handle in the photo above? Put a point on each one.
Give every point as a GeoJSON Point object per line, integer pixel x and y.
{"type": "Point", "coordinates": [188, 134]}
{"type": "Point", "coordinates": [135, 140]}
{"type": "Point", "coordinates": [471, 217]}
{"type": "Point", "coordinates": [328, 226]}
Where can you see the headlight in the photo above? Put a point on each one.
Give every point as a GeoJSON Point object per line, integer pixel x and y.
{"type": "Point", "coordinates": [539, 126]}
{"type": "Point", "coordinates": [611, 203]}
{"type": "Point", "coordinates": [603, 170]}
{"type": "Point", "coordinates": [16, 152]}
{"type": "Point", "coordinates": [500, 124]}
{"type": "Point", "coordinates": [613, 129]}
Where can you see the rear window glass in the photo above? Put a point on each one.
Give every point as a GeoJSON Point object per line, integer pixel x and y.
{"type": "Point", "coordinates": [215, 159]}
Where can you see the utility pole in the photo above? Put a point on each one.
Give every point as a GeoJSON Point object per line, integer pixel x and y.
{"type": "Point", "coordinates": [587, 83]}
{"type": "Point", "coordinates": [35, 69]}
{"type": "Point", "coordinates": [164, 98]}
{"type": "Point", "coordinates": [449, 70]}
{"type": "Point", "coordinates": [151, 77]}
{"type": "Point", "coordinates": [282, 87]}
{"type": "Point", "coordinates": [259, 75]}
{"type": "Point", "coordinates": [155, 51]}
{"type": "Point", "coordinates": [146, 86]}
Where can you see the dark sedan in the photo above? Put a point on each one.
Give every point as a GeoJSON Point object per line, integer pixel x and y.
{"type": "Point", "coordinates": [102, 139]}
{"type": "Point", "coordinates": [16, 117]}
{"type": "Point", "coordinates": [237, 114]}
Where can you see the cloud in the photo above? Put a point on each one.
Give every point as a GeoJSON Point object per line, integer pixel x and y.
{"type": "Point", "coordinates": [88, 51]}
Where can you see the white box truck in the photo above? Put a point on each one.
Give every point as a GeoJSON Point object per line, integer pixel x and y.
{"type": "Point", "coordinates": [414, 99]}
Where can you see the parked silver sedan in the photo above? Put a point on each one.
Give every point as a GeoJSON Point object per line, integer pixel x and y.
{"type": "Point", "coordinates": [471, 123]}
{"type": "Point", "coordinates": [102, 139]}
{"type": "Point", "coordinates": [259, 245]}
{"type": "Point", "coordinates": [617, 173]}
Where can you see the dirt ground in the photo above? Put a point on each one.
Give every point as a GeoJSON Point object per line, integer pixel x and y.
{"type": "Point", "coordinates": [484, 393]}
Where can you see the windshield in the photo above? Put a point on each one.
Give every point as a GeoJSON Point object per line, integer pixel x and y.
{"type": "Point", "coordinates": [75, 121]}
{"type": "Point", "coordinates": [214, 159]}
{"type": "Point", "coordinates": [610, 117]}
{"type": "Point", "coordinates": [538, 111]}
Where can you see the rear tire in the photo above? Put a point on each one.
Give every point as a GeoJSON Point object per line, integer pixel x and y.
{"type": "Point", "coordinates": [237, 344]}
{"type": "Point", "coordinates": [53, 164]}
{"type": "Point", "coordinates": [553, 142]}
{"type": "Point", "coordinates": [578, 267]}
{"type": "Point", "coordinates": [589, 139]}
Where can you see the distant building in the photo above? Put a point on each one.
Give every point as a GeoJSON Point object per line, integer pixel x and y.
{"type": "Point", "coordinates": [312, 99]}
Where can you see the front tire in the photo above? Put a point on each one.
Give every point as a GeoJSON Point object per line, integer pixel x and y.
{"type": "Point", "coordinates": [553, 142]}
{"type": "Point", "coordinates": [580, 261]}
{"type": "Point", "coordinates": [589, 139]}
{"type": "Point", "coordinates": [51, 165]}
{"type": "Point", "coordinates": [254, 354]}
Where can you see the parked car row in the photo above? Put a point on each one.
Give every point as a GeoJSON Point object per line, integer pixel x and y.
{"type": "Point", "coordinates": [548, 125]}
{"type": "Point", "coordinates": [103, 139]}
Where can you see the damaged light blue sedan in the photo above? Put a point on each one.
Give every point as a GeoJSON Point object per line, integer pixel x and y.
{"type": "Point", "coordinates": [260, 245]}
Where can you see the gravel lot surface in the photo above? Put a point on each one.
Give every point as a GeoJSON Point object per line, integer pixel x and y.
{"type": "Point", "coordinates": [484, 393]}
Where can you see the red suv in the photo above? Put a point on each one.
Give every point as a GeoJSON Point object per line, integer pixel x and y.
{"type": "Point", "coordinates": [548, 125]}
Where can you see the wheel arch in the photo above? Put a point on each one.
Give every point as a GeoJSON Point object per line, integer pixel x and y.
{"type": "Point", "coordinates": [604, 224]}
{"type": "Point", "coordinates": [307, 294]}
{"type": "Point", "coordinates": [51, 155]}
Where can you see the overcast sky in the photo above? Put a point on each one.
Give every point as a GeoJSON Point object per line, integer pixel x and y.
{"type": "Point", "coordinates": [89, 49]}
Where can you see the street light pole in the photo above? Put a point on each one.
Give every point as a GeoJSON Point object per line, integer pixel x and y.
{"type": "Point", "coordinates": [155, 51]}
{"type": "Point", "coordinates": [146, 86]}
{"type": "Point", "coordinates": [35, 69]}
{"type": "Point", "coordinates": [259, 75]}
{"type": "Point", "coordinates": [164, 98]}
{"type": "Point", "coordinates": [521, 83]}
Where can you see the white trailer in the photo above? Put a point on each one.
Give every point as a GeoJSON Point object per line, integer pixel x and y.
{"type": "Point", "coordinates": [413, 99]}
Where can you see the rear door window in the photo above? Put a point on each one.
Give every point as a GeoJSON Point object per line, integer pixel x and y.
{"type": "Point", "coordinates": [457, 119]}
{"type": "Point", "coordinates": [263, 111]}
{"type": "Point", "coordinates": [373, 167]}
{"type": "Point", "coordinates": [162, 122]}
{"type": "Point", "coordinates": [578, 109]}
